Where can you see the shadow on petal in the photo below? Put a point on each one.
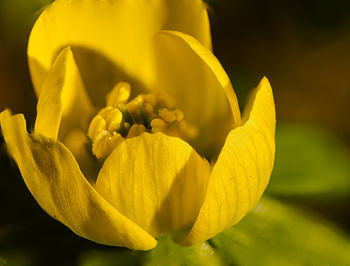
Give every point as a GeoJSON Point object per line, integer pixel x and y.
{"type": "Point", "coordinates": [100, 75]}
{"type": "Point", "coordinates": [185, 197]}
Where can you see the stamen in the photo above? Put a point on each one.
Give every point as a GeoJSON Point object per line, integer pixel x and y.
{"type": "Point", "coordinates": [127, 126]}
{"type": "Point", "coordinates": [122, 130]}
{"type": "Point", "coordinates": [136, 130]}
{"type": "Point", "coordinates": [179, 115]}
{"type": "Point", "coordinates": [104, 144]}
{"type": "Point", "coordinates": [119, 94]}
{"type": "Point", "coordinates": [125, 113]}
{"type": "Point", "coordinates": [143, 115]}
{"type": "Point", "coordinates": [114, 118]}
{"type": "Point", "coordinates": [168, 116]}
{"type": "Point", "coordinates": [158, 125]}
{"type": "Point", "coordinates": [188, 131]}
{"type": "Point", "coordinates": [97, 125]}
{"type": "Point", "coordinates": [120, 119]}
{"type": "Point", "coordinates": [105, 110]}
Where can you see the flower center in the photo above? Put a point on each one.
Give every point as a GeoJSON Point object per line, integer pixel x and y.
{"type": "Point", "coordinates": [122, 119]}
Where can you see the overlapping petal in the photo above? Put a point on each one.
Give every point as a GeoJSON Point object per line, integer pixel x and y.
{"type": "Point", "coordinates": [194, 77]}
{"type": "Point", "coordinates": [157, 181]}
{"type": "Point", "coordinates": [111, 40]}
{"type": "Point", "coordinates": [151, 184]}
{"type": "Point", "coordinates": [63, 97]}
{"type": "Point", "coordinates": [242, 170]}
{"type": "Point", "coordinates": [56, 182]}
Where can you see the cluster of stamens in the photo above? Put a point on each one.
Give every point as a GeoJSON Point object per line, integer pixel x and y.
{"type": "Point", "coordinates": [121, 119]}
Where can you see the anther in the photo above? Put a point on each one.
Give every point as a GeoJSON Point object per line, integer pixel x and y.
{"type": "Point", "coordinates": [186, 130]}
{"type": "Point", "coordinates": [97, 125]}
{"type": "Point", "coordinates": [105, 110]}
{"type": "Point", "coordinates": [119, 94]}
{"type": "Point", "coordinates": [158, 125]}
{"type": "Point", "coordinates": [136, 130]}
{"type": "Point", "coordinates": [120, 119]}
{"type": "Point", "coordinates": [179, 115]}
{"type": "Point", "coordinates": [104, 144]}
{"type": "Point", "coordinates": [166, 115]}
{"type": "Point", "coordinates": [113, 118]}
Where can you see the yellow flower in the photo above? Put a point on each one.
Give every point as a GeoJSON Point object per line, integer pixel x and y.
{"type": "Point", "coordinates": [121, 85]}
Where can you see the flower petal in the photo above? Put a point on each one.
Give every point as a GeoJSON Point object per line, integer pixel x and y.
{"type": "Point", "coordinates": [155, 180]}
{"type": "Point", "coordinates": [111, 40]}
{"type": "Point", "coordinates": [62, 96]}
{"type": "Point", "coordinates": [54, 178]}
{"type": "Point", "coordinates": [194, 77]}
{"type": "Point", "coordinates": [77, 143]}
{"type": "Point", "coordinates": [242, 171]}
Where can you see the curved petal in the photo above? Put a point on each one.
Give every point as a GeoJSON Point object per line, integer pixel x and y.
{"type": "Point", "coordinates": [62, 96]}
{"type": "Point", "coordinates": [157, 181]}
{"type": "Point", "coordinates": [194, 77]}
{"type": "Point", "coordinates": [111, 40]}
{"type": "Point", "coordinates": [242, 171]}
{"type": "Point", "coordinates": [54, 179]}
{"type": "Point", "coordinates": [78, 144]}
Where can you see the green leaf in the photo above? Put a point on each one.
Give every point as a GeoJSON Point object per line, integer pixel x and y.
{"type": "Point", "coordinates": [17, 258]}
{"type": "Point", "coordinates": [273, 234]}
{"type": "Point", "coordinates": [310, 162]}
{"type": "Point", "coordinates": [110, 257]}
{"type": "Point", "coordinates": [170, 254]}
{"type": "Point", "coordinates": [166, 253]}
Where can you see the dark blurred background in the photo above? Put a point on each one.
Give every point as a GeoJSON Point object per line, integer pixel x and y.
{"type": "Point", "coordinates": [303, 47]}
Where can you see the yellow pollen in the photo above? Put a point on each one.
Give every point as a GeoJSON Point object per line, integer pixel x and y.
{"type": "Point", "coordinates": [105, 143]}
{"type": "Point", "coordinates": [166, 115]}
{"type": "Point", "coordinates": [97, 125]}
{"type": "Point", "coordinates": [120, 119]}
{"type": "Point", "coordinates": [158, 125]}
{"type": "Point", "coordinates": [179, 115]}
{"type": "Point", "coordinates": [188, 131]}
{"type": "Point", "coordinates": [119, 94]}
{"type": "Point", "coordinates": [114, 118]}
{"type": "Point", "coordinates": [136, 130]}
{"type": "Point", "coordinates": [105, 110]}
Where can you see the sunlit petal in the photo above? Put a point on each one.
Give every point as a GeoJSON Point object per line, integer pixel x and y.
{"type": "Point", "coordinates": [157, 181]}
{"type": "Point", "coordinates": [194, 77]}
{"type": "Point", "coordinates": [242, 171]}
{"type": "Point", "coordinates": [63, 98]}
{"type": "Point", "coordinates": [56, 182]}
{"type": "Point", "coordinates": [111, 40]}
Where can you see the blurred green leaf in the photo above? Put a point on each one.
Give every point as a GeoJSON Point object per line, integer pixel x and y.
{"type": "Point", "coordinates": [110, 257]}
{"type": "Point", "coordinates": [17, 258]}
{"type": "Point", "coordinates": [170, 254]}
{"type": "Point", "coordinates": [166, 253]}
{"type": "Point", "coordinates": [310, 162]}
{"type": "Point", "coordinates": [272, 234]}
{"type": "Point", "coordinates": [14, 256]}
